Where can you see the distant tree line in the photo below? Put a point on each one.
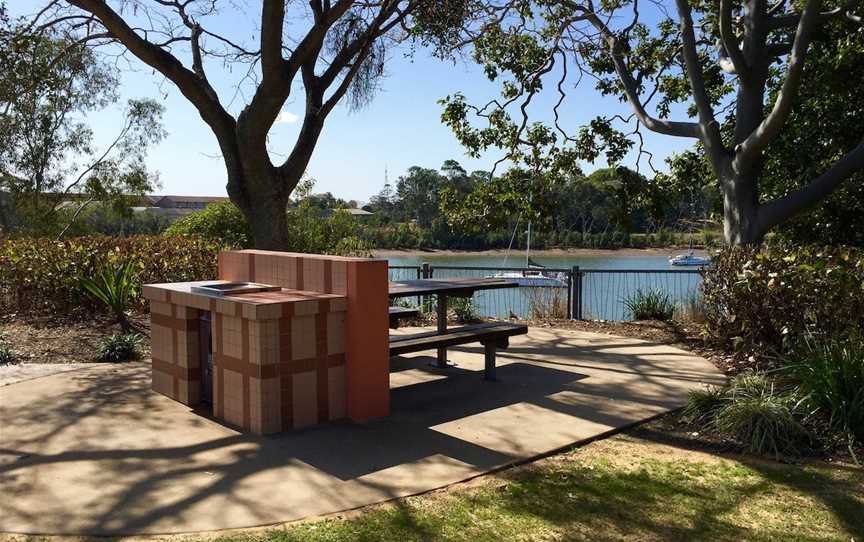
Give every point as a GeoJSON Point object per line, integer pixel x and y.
{"type": "Point", "coordinates": [611, 207]}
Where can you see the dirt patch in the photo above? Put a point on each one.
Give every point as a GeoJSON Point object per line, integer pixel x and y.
{"type": "Point", "coordinates": [52, 340]}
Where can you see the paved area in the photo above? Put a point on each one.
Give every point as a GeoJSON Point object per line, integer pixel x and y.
{"type": "Point", "coordinates": [18, 372]}
{"type": "Point", "coordinates": [94, 451]}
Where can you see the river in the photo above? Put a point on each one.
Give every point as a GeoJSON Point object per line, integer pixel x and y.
{"type": "Point", "coordinates": [609, 278]}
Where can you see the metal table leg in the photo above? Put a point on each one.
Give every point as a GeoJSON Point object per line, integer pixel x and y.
{"type": "Point", "coordinates": [442, 328]}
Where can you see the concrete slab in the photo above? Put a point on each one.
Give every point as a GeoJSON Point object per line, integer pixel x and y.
{"type": "Point", "coordinates": [95, 451]}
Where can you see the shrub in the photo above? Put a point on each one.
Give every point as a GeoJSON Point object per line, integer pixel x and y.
{"type": "Point", "coordinates": [464, 309]}
{"type": "Point", "coordinates": [703, 404]}
{"type": "Point", "coordinates": [115, 348]}
{"type": "Point", "coordinates": [546, 303]}
{"type": "Point", "coordinates": [116, 286]}
{"type": "Point", "coordinates": [763, 423]}
{"type": "Point", "coordinates": [760, 300]}
{"type": "Point", "coordinates": [761, 413]}
{"type": "Point", "coordinates": [650, 305]}
{"type": "Point", "coordinates": [7, 355]}
{"type": "Point", "coordinates": [353, 246]}
{"type": "Point", "coordinates": [221, 221]}
{"type": "Point", "coordinates": [692, 309]}
{"type": "Point", "coordinates": [44, 276]}
{"type": "Point", "coordinates": [831, 376]}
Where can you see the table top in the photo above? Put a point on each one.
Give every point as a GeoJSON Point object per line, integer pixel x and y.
{"type": "Point", "coordinates": [467, 286]}
{"type": "Point", "coordinates": [253, 306]}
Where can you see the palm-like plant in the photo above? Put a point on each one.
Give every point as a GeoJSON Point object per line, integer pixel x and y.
{"type": "Point", "coordinates": [116, 287]}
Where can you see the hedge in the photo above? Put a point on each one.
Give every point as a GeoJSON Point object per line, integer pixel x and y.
{"type": "Point", "coordinates": [764, 300]}
{"type": "Point", "coordinates": [44, 276]}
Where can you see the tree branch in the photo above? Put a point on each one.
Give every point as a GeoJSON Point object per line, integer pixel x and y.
{"type": "Point", "coordinates": [788, 20]}
{"type": "Point", "coordinates": [749, 149]}
{"type": "Point", "coordinates": [781, 209]}
{"type": "Point", "coordinates": [631, 88]}
{"type": "Point", "coordinates": [730, 42]}
{"type": "Point", "coordinates": [193, 87]}
{"type": "Point", "coordinates": [708, 126]}
{"type": "Point", "coordinates": [259, 115]}
{"type": "Point", "coordinates": [272, 19]}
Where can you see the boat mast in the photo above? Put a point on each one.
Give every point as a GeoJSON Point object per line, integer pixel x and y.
{"type": "Point", "coordinates": [528, 247]}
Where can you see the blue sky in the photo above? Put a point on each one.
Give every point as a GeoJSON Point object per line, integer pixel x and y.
{"type": "Point", "coordinates": [401, 128]}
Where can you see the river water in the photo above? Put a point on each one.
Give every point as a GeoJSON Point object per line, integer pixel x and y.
{"type": "Point", "coordinates": [608, 280]}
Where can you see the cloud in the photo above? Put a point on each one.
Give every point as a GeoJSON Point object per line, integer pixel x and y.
{"type": "Point", "coordinates": [286, 117]}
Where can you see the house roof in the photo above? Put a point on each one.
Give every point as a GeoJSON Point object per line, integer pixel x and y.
{"type": "Point", "coordinates": [356, 212]}
{"type": "Point", "coordinates": [187, 199]}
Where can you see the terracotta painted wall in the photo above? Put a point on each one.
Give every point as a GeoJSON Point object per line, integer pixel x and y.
{"type": "Point", "coordinates": [364, 282]}
{"type": "Point", "coordinates": [175, 351]}
{"type": "Point", "coordinates": [280, 374]}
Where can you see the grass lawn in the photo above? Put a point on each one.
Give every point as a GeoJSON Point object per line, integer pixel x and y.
{"type": "Point", "coordinates": [622, 488]}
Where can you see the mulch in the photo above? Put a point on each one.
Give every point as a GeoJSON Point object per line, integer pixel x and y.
{"type": "Point", "coordinates": [62, 339]}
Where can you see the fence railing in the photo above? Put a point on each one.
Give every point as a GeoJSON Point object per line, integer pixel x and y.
{"type": "Point", "coordinates": [575, 292]}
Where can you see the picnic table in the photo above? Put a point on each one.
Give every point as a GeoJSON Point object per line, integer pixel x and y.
{"type": "Point", "coordinates": [443, 289]}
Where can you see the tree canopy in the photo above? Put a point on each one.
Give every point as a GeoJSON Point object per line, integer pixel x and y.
{"type": "Point", "coordinates": [321, 51]}
{"type": "Point", "coordinates": [730, 74]}
{"type": "Point", "coordinates": [827, 121]}
{"type": "Point", "coordinates": [47, 151]}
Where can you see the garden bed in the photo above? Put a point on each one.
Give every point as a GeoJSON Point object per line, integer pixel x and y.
{"type": "Point", "coordinates": [67, 339]}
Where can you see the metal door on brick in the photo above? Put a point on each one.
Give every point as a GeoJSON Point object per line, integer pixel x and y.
{"type": "Point", "coordinates": [206, 361]}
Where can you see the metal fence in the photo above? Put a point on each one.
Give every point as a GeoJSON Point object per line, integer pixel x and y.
{"type": "Point", "coordinates": [595, 294]}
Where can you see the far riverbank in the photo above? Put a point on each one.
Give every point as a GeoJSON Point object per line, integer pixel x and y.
{"type": "Point", "coordinates": [548, 253]}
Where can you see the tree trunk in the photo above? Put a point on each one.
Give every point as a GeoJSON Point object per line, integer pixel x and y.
{"type": "Point", "coordinates": [741, 211]}
{"type": "Point", "coordinates": [261, 193]}
{"type": "Point", "coordinates": [268, 222]}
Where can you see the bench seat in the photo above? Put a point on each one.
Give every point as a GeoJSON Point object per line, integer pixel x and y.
{"type": "Point", "coordinates": [492, 336]}
{"type": "Point", "coordinates": [402, 313]}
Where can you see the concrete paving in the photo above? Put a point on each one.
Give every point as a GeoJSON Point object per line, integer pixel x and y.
{"type": "Point", "coordinates": [95, 451]}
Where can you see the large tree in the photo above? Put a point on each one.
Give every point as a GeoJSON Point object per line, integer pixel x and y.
{"type": "Point", "coordinates": [826, 122]}
{"type": "Point", "coordinates": [48, 156]}
{"type": "Point", "coordinates": [325, 50]}
{"type": "Point", "coordinates": [706, 60]}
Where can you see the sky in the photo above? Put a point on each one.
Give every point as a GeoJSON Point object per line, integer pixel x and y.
{"type": "Point", "coordinates": [399, 129]}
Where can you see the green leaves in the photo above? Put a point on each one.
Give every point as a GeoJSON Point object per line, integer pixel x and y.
{"type": "Point", "coordinates": [45, 276]}
{"type": "Point", "coordinates": [120, 347]}
{"type": "Point", "coordinates": [116, 286]}
{"type": "Point", "coordinates": [222, 222]}
{"type": "Point", "coordinates": [48, 83]}
{"type": "Point", "coordinates": [759, 300]}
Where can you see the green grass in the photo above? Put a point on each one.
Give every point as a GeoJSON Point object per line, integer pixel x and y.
{"type": "Point", "coordinates": [619, 489]}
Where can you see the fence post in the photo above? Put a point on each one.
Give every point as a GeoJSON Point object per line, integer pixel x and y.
{"type": "Point", "coordinates": [576, 300]}
{"type": "Point", "coordinates": [426, 271]}
{"type": "Point", "coordinates": [419, 276]}
{"type": "Point", "coordinates": [570, 295]}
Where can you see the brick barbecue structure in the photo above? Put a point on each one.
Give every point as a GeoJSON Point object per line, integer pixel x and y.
{"type": "Point", "coordinates": [306, 343]}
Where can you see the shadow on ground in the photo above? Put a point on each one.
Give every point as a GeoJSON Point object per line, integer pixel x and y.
{"type": "Point", "coordinates": [96, 452]}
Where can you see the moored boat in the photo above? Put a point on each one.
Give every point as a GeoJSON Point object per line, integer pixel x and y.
{"type": "Point", "coordinates": [689, 259]}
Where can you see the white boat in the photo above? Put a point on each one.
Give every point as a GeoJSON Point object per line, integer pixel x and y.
{"type": "Point", "coordinates": [689, 259]}
{"type": "Point", "coordinates": [535, 275]}
{"type": "Point", "coordinates": [534, 278]}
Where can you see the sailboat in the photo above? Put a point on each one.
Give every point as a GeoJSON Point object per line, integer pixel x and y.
{"type": "Point", "coordinates": [534, 273]}
{"type": "Point", "coordinates": [689, 258]}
